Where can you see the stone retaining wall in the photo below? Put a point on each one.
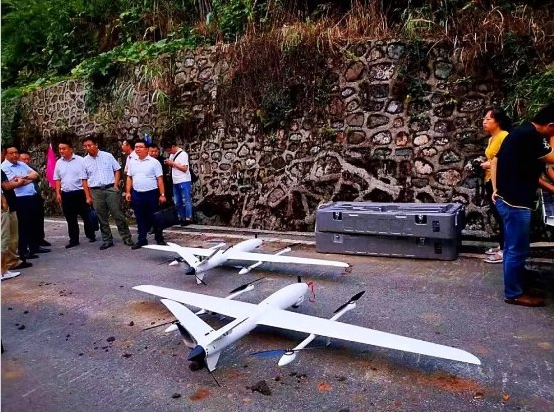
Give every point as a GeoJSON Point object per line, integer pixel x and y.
{"type": "Point", "coordinates": [380, 142]}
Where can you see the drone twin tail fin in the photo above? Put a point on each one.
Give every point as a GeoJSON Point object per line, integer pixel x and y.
{"type": "Point", "coordinates": [193, 329]}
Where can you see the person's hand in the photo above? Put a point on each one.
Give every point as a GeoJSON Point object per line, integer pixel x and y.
{"type": "Point", "coordinates": [493, 196]}
{"type": "Point", "coordinates": [162, 199]}
{"type": "Point", "coordinates": [486, 165]}
{"type": "Point", "coordinates": [89, 200]}
{"type": "Point", "coordinates": [5, 206]}
{"type": "Point", "coordinates": [128, 197]}
{"type": "Point", "coordinates": [59, 198]}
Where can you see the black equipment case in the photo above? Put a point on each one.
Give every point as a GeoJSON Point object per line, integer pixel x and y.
{"type": "Point", "coordinates": [412, 230]}
{"type": "Point", "coordinates": [434, 220]}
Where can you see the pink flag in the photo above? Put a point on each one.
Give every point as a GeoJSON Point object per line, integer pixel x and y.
{"type": "Point", "coordinates": [50, 165]}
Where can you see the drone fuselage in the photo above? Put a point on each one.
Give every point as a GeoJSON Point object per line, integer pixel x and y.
{"type": "Point", "coordinates": [221, 256]}
{"type": "Point", "coordinates": [290, 296]}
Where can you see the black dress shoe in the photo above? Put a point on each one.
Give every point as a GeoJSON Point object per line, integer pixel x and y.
{"type": "Point", "coordinates": [129, 242]}
{"type": "Point", "coordinates": [40, 250]}
{"type": "Point", "coordinates": [161, 242]}
{"type": "Point", "coordinates": [71, 244]}
{"type": "Point", "coordinates": [91, 239]}
{"type": "Point", "coordinates": [137, 246]}
{"type": "Point", "coordinates": [45, 243]}
{"type": "Point", "coordinates": [22, 265]}
{"type": "Point", "coordinates": [106, 245]}
{"type": "Point", "coordinates": [28, 256]}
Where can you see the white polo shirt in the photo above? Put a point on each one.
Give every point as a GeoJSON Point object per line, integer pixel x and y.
{"type": "Point", "coordinates": [182, 159]}
{"type": "Point", "coordinates": [71, 173]}
{"type": "Point", "coordinates": [144, 173]}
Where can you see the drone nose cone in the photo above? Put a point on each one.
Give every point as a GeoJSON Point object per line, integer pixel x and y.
{"type": "Point", "coordinates": [190, 271]}
{"type": "Point", "coordinates": [198, 354]}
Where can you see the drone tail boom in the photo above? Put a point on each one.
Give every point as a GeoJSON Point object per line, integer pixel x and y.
{"type": "Point", "coordinates": [193, 329]}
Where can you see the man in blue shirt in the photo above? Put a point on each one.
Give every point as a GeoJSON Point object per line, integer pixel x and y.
{"type": "Point", "coordinates": [73, 193]}
{"type": "Point", "coordinates": [515, 175]}
{"type": "Point", "coordinates": [28, 204]}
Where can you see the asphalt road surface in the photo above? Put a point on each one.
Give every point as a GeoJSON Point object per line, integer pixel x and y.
{"type": "Point", "coordinates": [73, 339]}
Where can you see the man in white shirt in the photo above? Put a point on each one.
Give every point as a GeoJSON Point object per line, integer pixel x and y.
{"type": "Point", "coordinates": [73, 193]}
{"type": "Point", "coordinates": [182, 185]}
{"type": "Point", "coordinates": [145, 190]}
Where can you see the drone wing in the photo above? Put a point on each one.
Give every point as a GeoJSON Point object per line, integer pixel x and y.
{"type": "Point", "coordinates": [324, 327]}
{"type": "Point", "coordinates": [227, 307]}
{"type": "Point", "coordinates": [264, 257]}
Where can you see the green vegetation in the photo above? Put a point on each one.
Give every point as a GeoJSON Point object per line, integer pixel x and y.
{"type": "Point", "coordinates": [281, 50]}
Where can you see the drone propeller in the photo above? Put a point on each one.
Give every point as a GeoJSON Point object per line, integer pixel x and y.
{"type": "Point", "coordinates": [352, 300]}
{"type": "Point", "coordinates": [173, 322]}
{"type": "Point", "coordinates": [280, 352]}
{"type": "Point", "coordinates": [192, 271]}
{"type": "Point", "coordinates": [175, 259]}
{"type": "Point", "coordinates": [197, 357]}
{"type": "Point", "coordinates": [242, 287]}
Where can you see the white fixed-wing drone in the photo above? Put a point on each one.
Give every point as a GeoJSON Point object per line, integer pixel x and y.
{"type": "Point", "coordinates": [207, 343]}
{"type": "Point", "coordinates": [201, 260]}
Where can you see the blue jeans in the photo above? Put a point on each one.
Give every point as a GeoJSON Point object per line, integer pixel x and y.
{"type": "Point", "coordinates": [183, 199]}
{"type": "Point", "coordinates": [517, 228]}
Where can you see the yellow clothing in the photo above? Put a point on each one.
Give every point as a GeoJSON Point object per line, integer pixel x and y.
{"type": "Point", "coordinates": [492, 149]}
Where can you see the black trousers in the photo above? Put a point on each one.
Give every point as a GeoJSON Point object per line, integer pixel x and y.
{"type": "Point", "coordinates": [74, 204]}
{"type": "Point", "coordinates": [145, 204]}
{"type": "Point", "coordinates": [30, 221]}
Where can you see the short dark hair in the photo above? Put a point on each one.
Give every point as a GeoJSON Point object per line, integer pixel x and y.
{"type": "Point", "coordinates": [66, 142]}
{"type": "Point", "coordinates": [501, 118]}
{"type": "Point", "coordinates": [545, 115]}
{"type": "Point", "coordinates": [6, 147]}
{"type": "Point", "coordinates": [167, 144]}
{"type": "Point", "coordinates": [153, 146]}
{"type": "Point", "coordinates": [23, 151]}
{"type": "Point", "coordinates": [140, 141]}
{"type": "Point", "coordinates": [93, 139]}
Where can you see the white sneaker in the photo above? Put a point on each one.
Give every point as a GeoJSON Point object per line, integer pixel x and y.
{"type": "Point", "coordinates": [493, 250]}
{"type": "Point", "coordinates": [496, 258]}
{"type": "Point", "coordinates": [9, 274]}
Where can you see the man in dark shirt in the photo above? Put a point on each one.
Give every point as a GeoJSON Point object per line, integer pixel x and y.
{"type": "Point", "coordinates": [515, 172]}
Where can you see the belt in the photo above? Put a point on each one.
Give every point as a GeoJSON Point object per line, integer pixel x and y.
{"type": "Point", "coordinates": [103, 187]}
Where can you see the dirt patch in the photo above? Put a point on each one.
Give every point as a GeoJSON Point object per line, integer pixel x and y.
{"type": "Point", "coordinates": [450, 383]}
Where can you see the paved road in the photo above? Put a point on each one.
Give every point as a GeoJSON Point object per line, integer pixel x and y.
{"type": "Point", "coordinates": [72, 330]}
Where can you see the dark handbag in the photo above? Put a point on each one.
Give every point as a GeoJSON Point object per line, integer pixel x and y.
{"type": "Point", "coordinates": [93, 219]}
{"type": "Point", "coordinates": [193, 176]}
{"type": "Point", "coordinates": [166, 218]}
